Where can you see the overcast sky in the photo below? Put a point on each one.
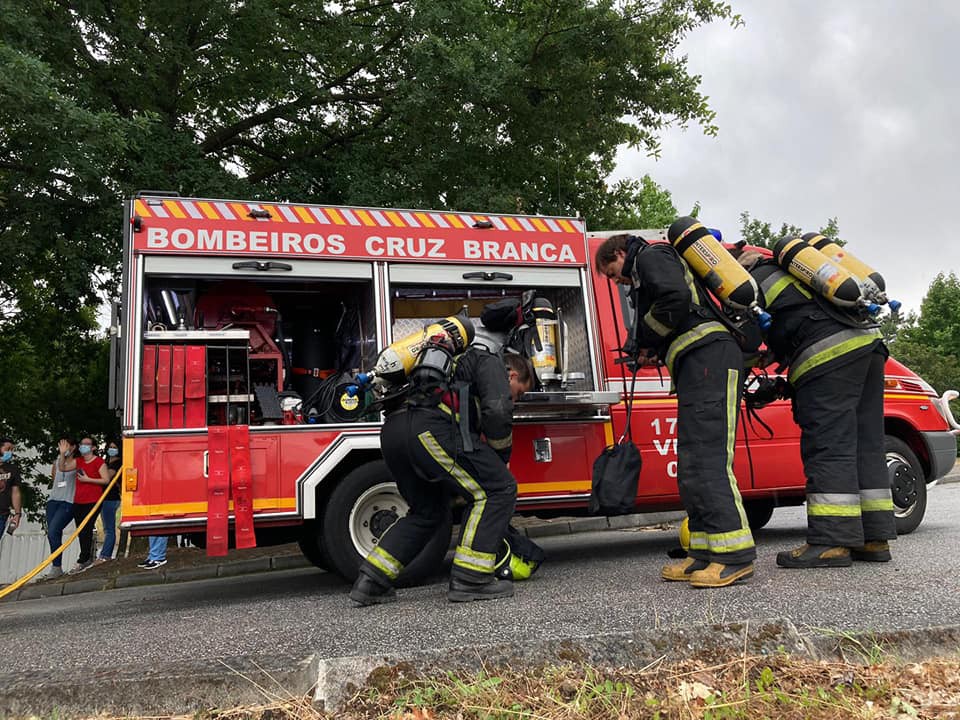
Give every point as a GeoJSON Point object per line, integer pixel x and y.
{"type": "Point", "coordinates": [826, 108]}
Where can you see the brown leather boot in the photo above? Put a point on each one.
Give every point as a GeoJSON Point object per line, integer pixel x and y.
{"type": "Point", "coordinates": [872, 551]}
{"type": "Point", "coordinates": [815, 556]}
{"type": "Point", "coordinates": [719, 575]}
{"type": "Point", "coordinates": [681, 571]}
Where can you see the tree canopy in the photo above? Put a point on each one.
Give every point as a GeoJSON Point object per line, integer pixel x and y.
{"type": "Point", "coordinates": [487, 105]}
{"type": "Point", "coordinates": [762, 234]}
{"type": "Point", "coordinates": [929, 343]}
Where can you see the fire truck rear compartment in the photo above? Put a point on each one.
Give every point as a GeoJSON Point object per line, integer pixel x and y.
{"type": "Point", "coordinates": [225, 352]}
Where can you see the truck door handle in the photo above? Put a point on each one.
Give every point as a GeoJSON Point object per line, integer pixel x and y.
{"type": "Point", "coordinates": [261, 265]}
{"type": "Point", "coordinates": [483, 275]}
{"type": "Point", "coordinates": [206, 463]}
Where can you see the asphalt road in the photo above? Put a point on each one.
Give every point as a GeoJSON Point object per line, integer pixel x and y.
{"type": "Point", "coordinates": [592, 583]}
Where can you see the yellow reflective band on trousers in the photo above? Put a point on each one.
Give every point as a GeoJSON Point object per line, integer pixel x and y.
{"type": "Point", "coordinates": [741, 538]}
{"type": "Point", "coordinates": [878, 500]}
{"type": "Point", "coordinates": [830, 348]}
{"type": "Point", "coordinates": [472, 560]}
{"type": "Point", "coordinates": [463, 478]}
{"type": "Point", "coordinates": [689, 338]}
{"type": "Point", "coordinates": [385, 562]}
{"type": "Point", "coordinates": [833, 504]}
{"type": "Point", "coordinates": [733, 385]}
{"type": "Point", "coordinates": [722, 542]}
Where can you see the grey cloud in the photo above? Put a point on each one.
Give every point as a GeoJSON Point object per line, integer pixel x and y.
{"type": "Point", "coordinates": [829, 109]}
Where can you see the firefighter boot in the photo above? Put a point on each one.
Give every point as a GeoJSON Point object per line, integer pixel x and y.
{"type": "Point", "coordinates": [466, 590]}
{"type": "Point", "coordinates": [370, 590]}
{"type": "Point", "coordinates": [681, 571]}
{"type": "Point", "coordinates": [720, 575]}
{"type": "Point", "coordinates": [872, 551]}
{"type": "Point", "coordinates": [815, 556]}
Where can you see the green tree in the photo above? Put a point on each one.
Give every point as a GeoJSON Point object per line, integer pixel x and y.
{"type": "Point", "coordinates": [633, 204]}
{"type": "Point", "coordinates": [930, 343]}
{"type": "Point", "coordinates": [760, 233]}
{"type": "Point", "coordinates": [492, 105]}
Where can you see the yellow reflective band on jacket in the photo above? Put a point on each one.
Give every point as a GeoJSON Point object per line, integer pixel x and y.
{"type": "Point", "coordinates": [658, 327]}
{"type": "Point", "coordinates": [446, 408]}
{"type": "Point", "coordinates": [830, 348]}
{"type": "Point", "coordinates": [722, 542]}
{"type": "Point", "coordinates": [878, 500]}
{"type": "Point", "coordinates": [689, 338]}
{"type": "Point", "coordinates": [500, 443]}
{"type": "Point", "coordinates": [833, 504]}
{"type": "Point", "coordinates": [472, 560]}
{"type": "Point", "coordinates": [431, 445]}
{"type": "Point", "coordinates": [385, 562]}
{"type": "Point", "coordinates": [776, 283]}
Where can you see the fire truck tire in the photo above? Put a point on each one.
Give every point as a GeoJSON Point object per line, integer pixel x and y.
{"type": "Point", "coordinates": [907, 484]}
{"type": "Point", "coordinates": [360, 508]}
{"type": "Point", "coordinates": [758, 512]}
{"type": "Point", "coordinates": [311, 545]}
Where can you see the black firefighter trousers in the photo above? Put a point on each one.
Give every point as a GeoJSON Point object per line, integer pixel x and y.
{"type": "Point", "coordinates": [424, 452]}
{"type": "Point", "coordinates": [709, 389]}
{"type": "Point", "coordinates": [840, 414]}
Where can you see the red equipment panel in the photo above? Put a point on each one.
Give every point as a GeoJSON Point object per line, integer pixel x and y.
{"type": "Point", "coordinates": [195, 386]}
{"type": "Point", "coordinates": [148, 387]}
{"type": "Point", "coordinates": [218, 491]}
{"type": "Point", "coordinates": [163, 386]}
{"type": "Point", "coordinates": [241, 480]}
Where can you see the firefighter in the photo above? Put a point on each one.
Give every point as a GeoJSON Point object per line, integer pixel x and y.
{"type": "Point", "coordinates": [836, 371]}
{"type": "Point", "coordinates": [674, 326]}
{"type": "Point", "coordinates": [452, 441]}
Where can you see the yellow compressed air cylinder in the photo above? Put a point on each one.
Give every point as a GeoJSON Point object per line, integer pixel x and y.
{"type": "Point", "coordinates": [397, 359]}
{"type": "Point", "coordinates": [713, 264]}
{"type": "Point", "coordinates": [819, 272]}
{"type": "Point", "coordinates": [872, 280]}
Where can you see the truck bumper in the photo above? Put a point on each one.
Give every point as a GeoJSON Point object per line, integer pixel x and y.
{"type": "Point", "coordinates": [942, 450]}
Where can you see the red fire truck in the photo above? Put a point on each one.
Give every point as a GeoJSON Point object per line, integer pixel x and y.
{"type": "Point", "coordinates": [242, 325]}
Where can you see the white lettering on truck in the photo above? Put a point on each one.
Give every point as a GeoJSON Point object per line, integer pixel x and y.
{"type": "Point", "coordinates": [394, 246]}
{"type": "Point", "coordinates": [529, 252]}
{"type": "Point", "coordinates": [256, 241]}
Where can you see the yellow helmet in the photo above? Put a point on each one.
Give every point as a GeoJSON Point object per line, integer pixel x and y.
{"type": "Point", "coordinates": [685, 533]}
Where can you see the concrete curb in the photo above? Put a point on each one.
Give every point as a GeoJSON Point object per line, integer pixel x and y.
{"type": "Point", "coordinates": [246, 566]}
{"type": "Point", "coordinates": [183, 688]}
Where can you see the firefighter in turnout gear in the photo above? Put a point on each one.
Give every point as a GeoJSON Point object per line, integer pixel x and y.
{"type": "Point", "coordinates": [674, 325]}
{"type": "Point", "coordinates": [836, 370]}
{"type": "Point", "coordinates": [443, 441]}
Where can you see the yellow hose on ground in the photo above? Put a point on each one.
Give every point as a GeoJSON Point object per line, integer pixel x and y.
{"type": "Point", "coordinates": [56, 553]}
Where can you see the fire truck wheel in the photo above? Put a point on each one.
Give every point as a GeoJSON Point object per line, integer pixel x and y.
{"type": "Point", "coordinates": [311, 545]}
{"type": "Point", "coordinates": [758, 512]}
{"type": "Point", "coordinates": [360, 509]}
{"type": "Point", "coordinates": [907, 484]}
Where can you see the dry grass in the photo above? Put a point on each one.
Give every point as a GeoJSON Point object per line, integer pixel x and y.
{"type": "Point", "coordinates": [780, 687]}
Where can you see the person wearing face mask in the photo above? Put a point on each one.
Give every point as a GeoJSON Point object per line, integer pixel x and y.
{"type": "Point", "coordinates": [10, 507]}
{"type": "Point", "coordinates": [92, 475]}
{"type": "Point", "coordinates": [111, 503]}
{"type": "Point", "coordinates": [63, 476]}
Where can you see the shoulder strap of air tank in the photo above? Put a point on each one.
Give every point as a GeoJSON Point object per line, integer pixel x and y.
{"type": "Point", "coordinates": [842, 316]}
